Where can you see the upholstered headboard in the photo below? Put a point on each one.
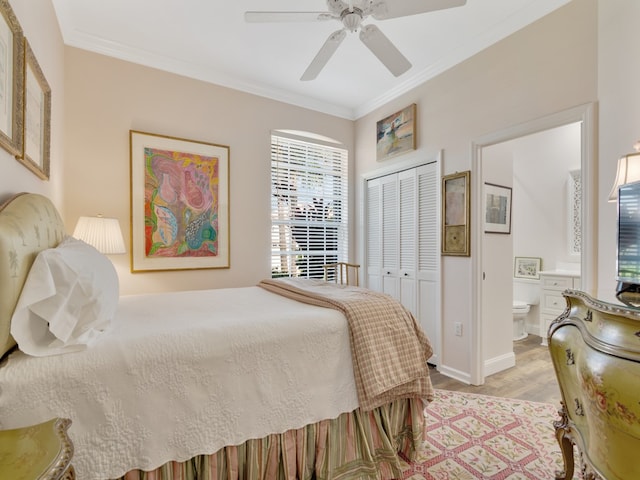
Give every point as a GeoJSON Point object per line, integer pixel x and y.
{"type": "Point", "coordinates": [29, 223]}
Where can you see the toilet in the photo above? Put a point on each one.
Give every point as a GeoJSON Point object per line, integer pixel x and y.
{"type": "Point", "coordinates": [525, 294]}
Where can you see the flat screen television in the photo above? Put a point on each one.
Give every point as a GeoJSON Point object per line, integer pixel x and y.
{"type": "Point", "coordinates": [628, 245]}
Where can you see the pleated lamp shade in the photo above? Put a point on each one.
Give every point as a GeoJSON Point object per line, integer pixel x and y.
{"type": "Point", "coordinates": [628, 172]}
{"type": "Point", "coordinates": [102, 233]}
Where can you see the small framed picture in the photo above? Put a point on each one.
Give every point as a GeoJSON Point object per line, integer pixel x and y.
{"type": "Point", "coordinates": [11, 81]}
{"type": "Point", "coordinates": [396, 134]}
{"type": "Point", "coordinates": [497, 209]}
{"type": "Point", "coordinates": [527, 267]}
{"type": "Point", "coordinates": [456, 214]}
{"type": "Point", "coordinates": [36, 150]}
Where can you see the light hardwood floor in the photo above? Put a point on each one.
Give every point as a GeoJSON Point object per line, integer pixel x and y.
{"type": "Point", "coordinates": [533, 377]}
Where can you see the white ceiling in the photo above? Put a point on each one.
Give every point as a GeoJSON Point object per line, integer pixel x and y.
{"type": "Point", "coordinates": [209, 40]}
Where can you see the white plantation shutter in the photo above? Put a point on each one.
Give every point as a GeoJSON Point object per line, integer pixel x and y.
{"type": "Point", "coordinates": [308, 207]}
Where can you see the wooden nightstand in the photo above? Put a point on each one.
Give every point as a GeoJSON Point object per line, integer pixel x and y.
{"type": "Point", "coordinates": [38, 452]}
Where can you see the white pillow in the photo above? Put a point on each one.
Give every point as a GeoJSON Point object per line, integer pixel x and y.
{"type": "Point", "coordinates": [69, 298]}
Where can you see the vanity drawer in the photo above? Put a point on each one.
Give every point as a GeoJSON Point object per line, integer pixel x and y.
{"type": "Point", "coordinates": [556, 283]}
{"type": "Point", "coordinates": [553, 302]}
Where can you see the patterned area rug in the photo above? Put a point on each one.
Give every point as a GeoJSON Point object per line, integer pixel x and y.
{"type": "Point", "coordinates": [476, 436]}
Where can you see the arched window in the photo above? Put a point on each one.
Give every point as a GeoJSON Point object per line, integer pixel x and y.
{"type": "Point", "coordinates": [309, 224]}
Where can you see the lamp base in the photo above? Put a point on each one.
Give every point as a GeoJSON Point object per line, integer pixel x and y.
{"type": "Point", "coordinates": [628, 293]}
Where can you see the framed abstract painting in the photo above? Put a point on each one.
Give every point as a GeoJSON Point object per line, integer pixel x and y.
{"type": "Point", "coordinates": [179, 203]}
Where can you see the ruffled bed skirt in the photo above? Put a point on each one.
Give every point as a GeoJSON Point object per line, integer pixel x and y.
{"type": "Point", "coordinates": [355, 446]}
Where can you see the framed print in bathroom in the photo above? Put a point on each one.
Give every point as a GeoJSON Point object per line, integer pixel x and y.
{"type": "Point", "coordinates": [37, 117]}
{"type": "Point", "coordinates": [527, 267]}
{"type": "Point", "coordinates": [11, 81]}
{"type": "Point", "coordinates": [396, 134]}
{"type": "Point", "coordinates": [497, 209]}
{"type": "Point", "coordinates": [179, 203]}
{"type": "Point", "coordinates": [456, 214]}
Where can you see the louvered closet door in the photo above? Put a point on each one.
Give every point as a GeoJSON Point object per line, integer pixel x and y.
{"type": "Point", "coordinates": [390, 236]}
{"type": "Point", "coordinates": [403, 242]}
{"type": "Point", "coordinates": [374, 235]}
{"type": "Point", "coordinates": [407, 239]}
{"type": "Point", "coordinates": [382, 235]}
{"type": "Point", "coordinates": [428, 255]}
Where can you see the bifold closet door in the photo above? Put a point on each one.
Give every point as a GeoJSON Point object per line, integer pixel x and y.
{"type": "Point", "coordinates": [403, 242]}
{"type": "Point", "coordinates": [383, 234]}
{"type": "Point", "coordinates": [408, 221]}
{"type": "Point", "coordinates": [429, 293]}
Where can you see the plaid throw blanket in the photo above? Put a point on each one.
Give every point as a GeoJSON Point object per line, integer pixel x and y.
{"type": "Point", "coordinates": [389, 349]}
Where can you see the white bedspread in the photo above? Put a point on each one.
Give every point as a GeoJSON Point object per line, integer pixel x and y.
{"type": "Point", "coordinates": [186, 373]}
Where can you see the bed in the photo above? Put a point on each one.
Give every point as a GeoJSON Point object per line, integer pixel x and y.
{"type": "Point", "coordinates": [286, 379]}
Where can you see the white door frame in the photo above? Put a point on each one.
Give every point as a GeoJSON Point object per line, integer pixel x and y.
{"type": "Point", "coordinates": [583, 113]}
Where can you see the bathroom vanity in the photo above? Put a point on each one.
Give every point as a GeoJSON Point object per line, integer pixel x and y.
{"type": "Point", "coordinates": [552, 304]}
{"type": "Point", "coordinates": [595, 349]}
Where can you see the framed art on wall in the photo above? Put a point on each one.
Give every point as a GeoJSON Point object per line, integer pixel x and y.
{"type": "Point", "coordinates": [179, 203]}
{"type": "Point", "coordinates": [396, 134]}
{"type": "Point", "coordinates": [37, 117]}
{"type": "Point", "coordinates": [527, 267]}
{"type": "Point", "coordinates": [497, 209]}
{"type": "Point", "coordinates": [11, 81]}
{"type": "Point", "coordinates": [456, 214]}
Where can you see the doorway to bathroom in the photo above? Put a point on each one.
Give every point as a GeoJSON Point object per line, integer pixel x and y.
{"type": "Point", "coordinates": [539, 162]}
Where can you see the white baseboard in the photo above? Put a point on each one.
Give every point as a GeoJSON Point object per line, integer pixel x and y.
{"type": "Point", "coordinates": [455, 374]}
{"type": "Point", "coordinates": [497, 364]}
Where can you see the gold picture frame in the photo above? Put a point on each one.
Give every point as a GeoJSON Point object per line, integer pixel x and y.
{"type": "Point", "coordinates": [456, 214]}
{"type": "Point", "coordinates": [11, 81]}
{"type": "Point", "coordinates": [36, 149]}
{"type": "Point", "coordinates": [396, 134]}
{"type": "Point", "coordinates": [179, 203]}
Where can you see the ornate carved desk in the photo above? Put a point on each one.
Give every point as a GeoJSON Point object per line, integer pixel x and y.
{"type": "Point", "coordinates": [595, 349]}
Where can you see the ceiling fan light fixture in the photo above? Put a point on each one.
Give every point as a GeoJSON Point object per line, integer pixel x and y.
{"type": "Point", "coordinates": [352, 20]}
{"type": "Point", "coordinates": [352, 13]}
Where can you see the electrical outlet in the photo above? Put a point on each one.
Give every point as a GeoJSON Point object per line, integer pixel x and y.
{"type": "Point", "coordinates": [458, 329]}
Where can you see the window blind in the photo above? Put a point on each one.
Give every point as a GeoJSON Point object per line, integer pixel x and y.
{"type": "Point", "coordinates": [309, 200]}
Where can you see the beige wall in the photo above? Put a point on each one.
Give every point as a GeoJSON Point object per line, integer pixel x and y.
{"type": "Point", "coordinates": [545, 68]}
{"type": "Point", "coordinates": [107, 97]}
{"type": "Point", "coordinates": [42, 32]}
{"type": "Point", "coordinates": [619, 96]}
{"type": "Point", "coordinates": [568, 58]}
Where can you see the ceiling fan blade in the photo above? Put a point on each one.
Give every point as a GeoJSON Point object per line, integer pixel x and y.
{"type": "Point", "coordinates": [259, 17]}
{"type": "Point", "coordinates": [404, 8]}
{"type": "Point", "coordinates": [386, 51]}
{"type": "Point", "coordinates": [323, 56]}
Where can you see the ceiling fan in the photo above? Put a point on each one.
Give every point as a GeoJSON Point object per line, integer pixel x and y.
{"type": "Point", "coordinates": [351, 14]}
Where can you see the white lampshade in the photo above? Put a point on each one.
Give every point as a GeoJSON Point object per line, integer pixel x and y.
{"type": "Point", "coordinates": [102, 233]}
{"type": "Point", "coordinates": [628, 172]}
